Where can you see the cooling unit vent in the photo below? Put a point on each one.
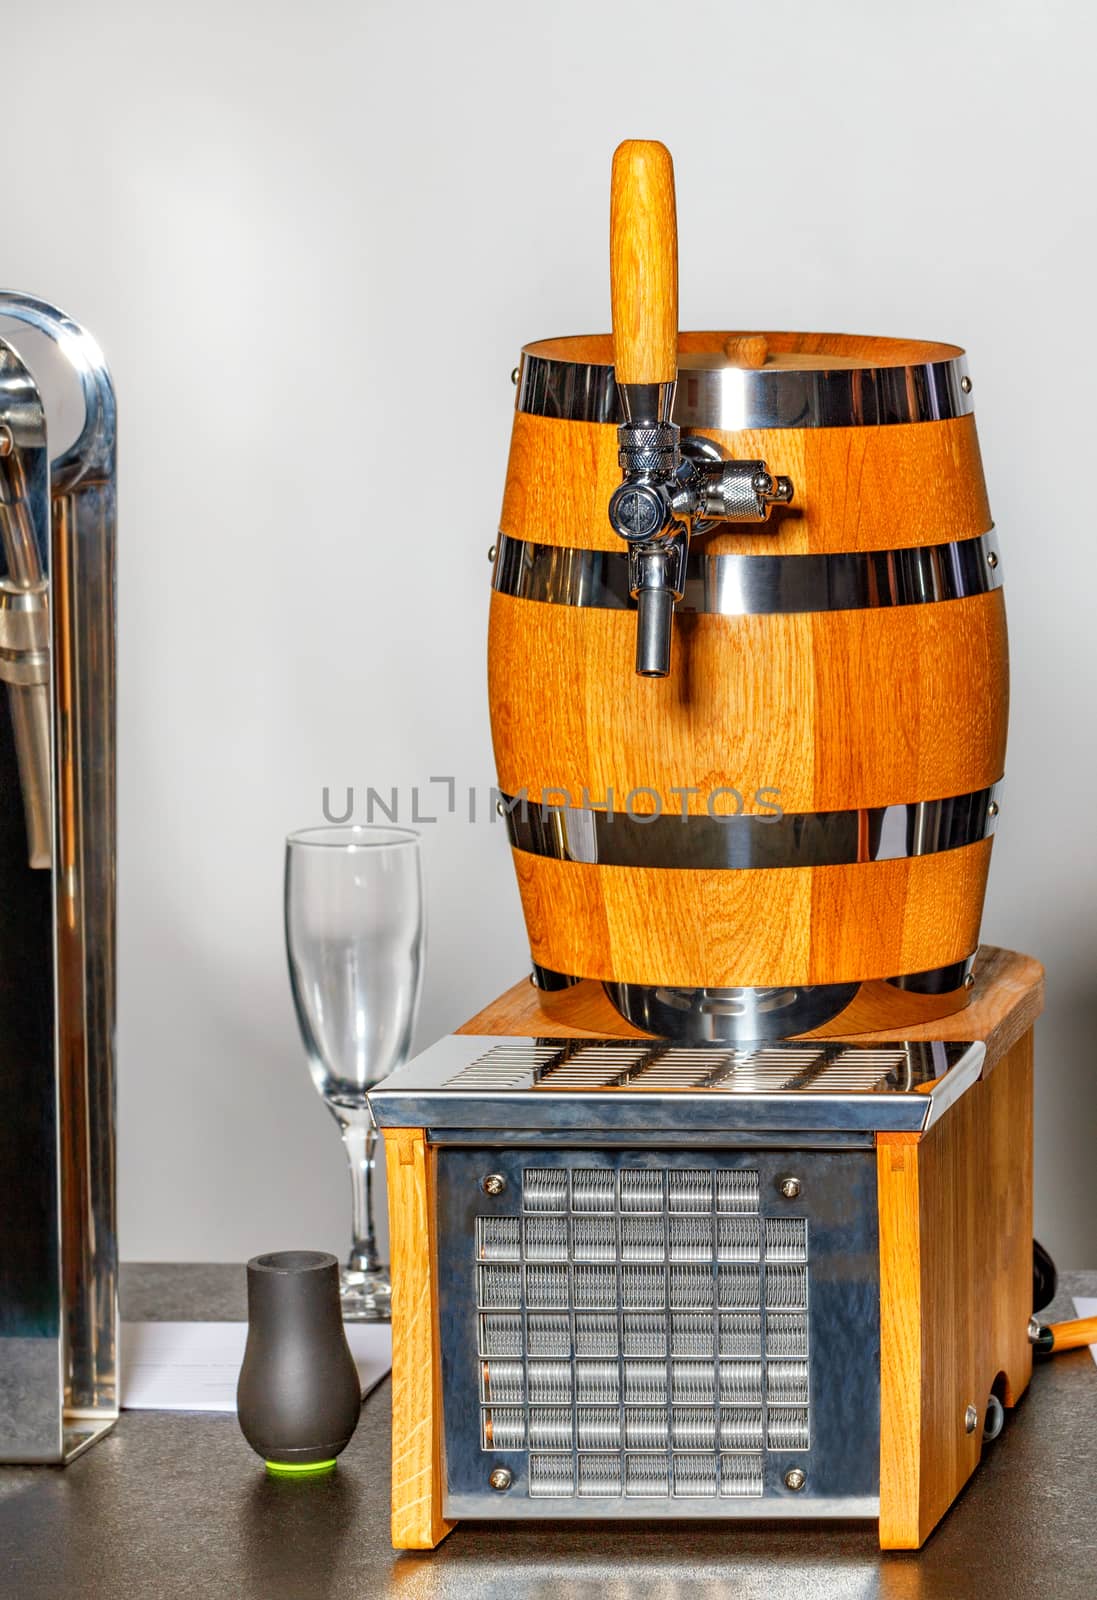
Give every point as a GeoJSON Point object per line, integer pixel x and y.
{"type": "Point", "coordinates": [642, 1332]}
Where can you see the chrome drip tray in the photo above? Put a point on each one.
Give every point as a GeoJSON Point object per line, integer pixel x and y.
{"type": "Point", "coordinates": [587, 1085]}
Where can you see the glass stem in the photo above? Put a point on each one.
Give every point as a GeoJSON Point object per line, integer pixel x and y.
{"type": "Point", "coordinates": [359, 1141]}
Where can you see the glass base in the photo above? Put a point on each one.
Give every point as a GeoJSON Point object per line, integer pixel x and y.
{"type": "Point", "coordinates": [365, 1296]}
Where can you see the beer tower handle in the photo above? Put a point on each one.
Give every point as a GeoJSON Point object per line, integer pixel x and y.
{"type": "Point", "coordinates": [661, 493]}
{"type": "Point", "coordinates": [643, 249]}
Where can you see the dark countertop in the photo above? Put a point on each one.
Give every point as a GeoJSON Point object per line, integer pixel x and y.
{"type": "Point", "coordinates": [171, 1504]}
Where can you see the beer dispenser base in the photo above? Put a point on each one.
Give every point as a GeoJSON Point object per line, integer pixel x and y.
{"type": "Point", "coordinates": [634, 1279]}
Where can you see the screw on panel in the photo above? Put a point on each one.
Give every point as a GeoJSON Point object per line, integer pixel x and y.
{"type": "Point", "coordinates": [514, 375]}
{"type": "Point", "coordinates": [492, 551]}
{"type": "Point", "coordinates": [7, 441]}
{"type": "Point", "coordinates": [795, 1479]}
{"type": "Point", "coordinates": [789, 1187]}
{"type": "Point", "coordinates": [971, 1418]}
{"type": "Point", "coordinates": [993, 808]}
{"type": "Point", "coordinates": [969, 981]}
{"type": "Point", "coordinates": [992, 558]}
{"type": "Point", "coordinates": [501, 1478]}
{"type": "Point", "coordinates": [965, 384]}
{"type": "Point", "coordinates": [494, 1183]}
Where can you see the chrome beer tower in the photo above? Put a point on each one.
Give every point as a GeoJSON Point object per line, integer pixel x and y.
{"type": "Point", "coordinates": [58, 1248]}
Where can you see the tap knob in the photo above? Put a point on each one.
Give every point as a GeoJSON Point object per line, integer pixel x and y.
{"type": "Point", "coordinates": [739, 491]}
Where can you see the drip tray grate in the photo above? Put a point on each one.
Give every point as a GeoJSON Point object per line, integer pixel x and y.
{"type": "Point", "coordinates": [583, 1065]}
{"type": "Point", "coordinates": [466, 1082]}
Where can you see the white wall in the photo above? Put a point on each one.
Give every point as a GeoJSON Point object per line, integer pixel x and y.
{"type": "Point", "coordinates": [312, 240]}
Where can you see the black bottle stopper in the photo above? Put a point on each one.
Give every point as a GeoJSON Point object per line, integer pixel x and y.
{"type": "Point", "coordinates": [298, 1397]}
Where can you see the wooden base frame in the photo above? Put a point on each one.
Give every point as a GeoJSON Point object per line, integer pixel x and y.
{"type": "Point", "coordinates": [955, 1221]}
{"type": "Point", "coordinates": [955, 1215]}
{"type": "Point", "coordinates": [417, 1520]}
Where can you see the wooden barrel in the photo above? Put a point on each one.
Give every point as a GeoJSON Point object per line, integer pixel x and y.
{"type": "Point", "coordinates": [791, 832]}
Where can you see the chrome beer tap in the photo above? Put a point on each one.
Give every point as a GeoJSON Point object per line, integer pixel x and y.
{"type": "Point", "coordinates": [646, 510]}
{"type": "Point", "coordinates": [665, 487]}
{"type": "Point", "coordinates": [662, 483]}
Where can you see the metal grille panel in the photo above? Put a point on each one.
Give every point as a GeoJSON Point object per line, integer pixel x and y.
{"type": "Point", "coordinates": [729, 1336]}
{"type": "Point", "coordinates": [643, 1332]}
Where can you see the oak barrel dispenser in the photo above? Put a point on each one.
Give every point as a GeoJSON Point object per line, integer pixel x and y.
{"type": "Point", "coordinates": [727, 1213]}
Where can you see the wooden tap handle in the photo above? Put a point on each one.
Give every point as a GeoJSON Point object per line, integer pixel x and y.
{"type": "Point", "coordinates": [643, 263]}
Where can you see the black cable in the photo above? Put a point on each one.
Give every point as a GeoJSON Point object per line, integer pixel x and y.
{"type": "Point", "coordinates": [1045, 1279]}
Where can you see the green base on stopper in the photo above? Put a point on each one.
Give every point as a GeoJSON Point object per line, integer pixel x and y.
{"type": "Point", "coordinates": [299, 1469]}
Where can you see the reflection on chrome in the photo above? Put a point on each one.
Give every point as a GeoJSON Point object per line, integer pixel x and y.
{"type": "Point", "coordinates": [741, 585]}
{"type": "Point", "coordinates": [708, 841]}
{"type": "Point", "coordinates": [732, 398]}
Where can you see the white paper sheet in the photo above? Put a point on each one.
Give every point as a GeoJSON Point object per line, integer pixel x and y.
{"type": "Point", "coordinates": [1087, 1308]}
{"type": "Point", "coordinates": [193, 1366]}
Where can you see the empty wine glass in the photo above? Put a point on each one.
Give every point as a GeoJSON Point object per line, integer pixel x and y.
{"type": "Point", "coordinates": [355, 941]}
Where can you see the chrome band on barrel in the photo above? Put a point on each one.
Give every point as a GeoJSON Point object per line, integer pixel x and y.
{"type": "Point", "coordinates": [938, 980]}
{"type": "Point", "coordinates": [731, 398]}
{"type": "Point", "coordinates": [765, 585]}
{"type": "Point", "coordinates": [748, 842]}
{"type": "Point", "coordinates": [732, 1016]}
